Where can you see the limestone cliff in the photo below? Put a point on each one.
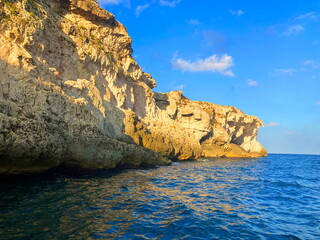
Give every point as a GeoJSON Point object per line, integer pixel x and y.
{"type": "Point", "coordinates": [71, 93]}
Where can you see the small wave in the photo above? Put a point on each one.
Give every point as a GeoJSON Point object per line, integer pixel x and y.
{"type": "Point", "coordinates": [227, 199]}
{"type": "Point", "coordinates": [203, 160]}
{"type": "Point", "coordinates": [283, 237]}
{"type": "Point", "coordinates": [175, 163]}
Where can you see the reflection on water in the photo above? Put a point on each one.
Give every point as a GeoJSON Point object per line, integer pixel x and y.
{"type": "Point", "coordinates": [277, 197]}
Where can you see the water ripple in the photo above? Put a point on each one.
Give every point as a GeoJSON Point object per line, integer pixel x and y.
{"type": "Point", "coordinates": [276, 197]}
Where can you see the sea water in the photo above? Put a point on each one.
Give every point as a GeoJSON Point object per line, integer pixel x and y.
{"type": "Point", "coordinates": [275, 197]}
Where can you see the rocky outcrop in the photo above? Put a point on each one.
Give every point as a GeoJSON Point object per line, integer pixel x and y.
{"type": "Point", "coordinates": [199, 129]}
{"type": "Point", "coordinates": [71, 93]}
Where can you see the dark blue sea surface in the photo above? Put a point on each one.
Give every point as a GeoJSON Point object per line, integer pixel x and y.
{"type": "Point", "coordinates": [275, 197]}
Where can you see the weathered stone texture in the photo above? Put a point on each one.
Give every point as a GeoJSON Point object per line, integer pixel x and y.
{"type": "Point", "coordinates": [71, 93]}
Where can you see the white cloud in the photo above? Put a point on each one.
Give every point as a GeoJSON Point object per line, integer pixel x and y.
{"type": "Point", "coordinates": [252, 83]}
{"type": "Point", "coordinates": [237, 12]}
{"type": "Point", "coordinates": [272, 124]}
{"type": "Point", "coordinates": [294, 26]}
{"type": "Point", "coordinates": [308, 16]}
{"type": "Point", "coordinates": [194, 22]}
{"type": "Point", "coordinates": [214, 39]}
{"type": "Point", "coordinates": [180, 87]}
{"type": "Point", "coordinates": [285, 72]}
{"type": "Point", "coordinates": [169, 3]}
{"type": "Point", "coordinates": [114, 2]}
{"type": "Point", "coordinates": [140, 9]}
{"type": "Point", "coordinates": [292, 133]}
{"type": "Point", "coordinates": [318, 103]}
{"type": "Point", "coordinates": [127, 3]}
{"type": "Point", "coordinates": [213, 63]}
{"type": "Point", "coordinates": [306, 65]}
{"type": "Point", "coordinates": [307, 62]}
{"type": "Point", "coordinates": [293, 30]}
{"type": "Point", "coordinates": [310, 63]}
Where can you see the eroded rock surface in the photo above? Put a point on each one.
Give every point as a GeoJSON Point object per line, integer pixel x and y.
{"type": "Point", "coordinates": [71, 93]}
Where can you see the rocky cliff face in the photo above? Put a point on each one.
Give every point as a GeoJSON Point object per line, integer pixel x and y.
{"type": "Point", "coordinates": [71, 93]}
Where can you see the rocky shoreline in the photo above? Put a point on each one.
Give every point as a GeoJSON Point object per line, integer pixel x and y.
{"type": "Point", "coordinates": [72, 94]}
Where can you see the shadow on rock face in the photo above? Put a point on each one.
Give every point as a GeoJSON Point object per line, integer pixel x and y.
{"type": "Point", "coordinates": [72, 94]}
{"type": "Point", "coordinates": [53, 104]}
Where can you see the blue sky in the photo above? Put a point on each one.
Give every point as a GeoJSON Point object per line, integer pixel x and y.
{"type": "Point", "coordinates": [262, 57]}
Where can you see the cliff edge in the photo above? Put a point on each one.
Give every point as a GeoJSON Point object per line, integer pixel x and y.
{"type": "Point", "coordinates": [71, 93]}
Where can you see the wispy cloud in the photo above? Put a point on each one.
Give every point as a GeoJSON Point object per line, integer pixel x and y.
{"type": "Point", "coordinates": [215, 41]}
{"type": "Point", "coordinates": [308, 16]}
{"type": "Point", "coordinates": [318, 103]}
{"type": "Point", "coordinates": [236, 12]}
{"type": "Point", "coordinates": [194, 22]}
{"type": "Point", "coordinates": [114, 2]}
{"type": "Point", "coordinates": [292, 133]}
{"type": "Point", "coordinates": [127, 3]}
{"type": "Point", "coordinates": [252, 83]}
{"type": "Point", "coordinates": [285, 72]}
{"type": "Point", "coordinates": [293, 30]}
{"type": "Point", "coordinates": [311, 64]}
{"type": "Point", "coordinates": [306, 65]}
{"type": "Point", "coordinates": [293, 26]}
{"type": "Point", "coordinates": [169, 3]}
{"type": "Point", "coordinates": [140, 9]}
{"type": "Point", "coordinates": [272, 124]}
{"type": "Point", "coordinates": [213, 63]}
{"type": "Point", "coordinates": [180, 87]}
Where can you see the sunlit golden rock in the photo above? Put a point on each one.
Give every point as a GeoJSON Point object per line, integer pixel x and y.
{"type": "Point", "coordinates": [71, 93]}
